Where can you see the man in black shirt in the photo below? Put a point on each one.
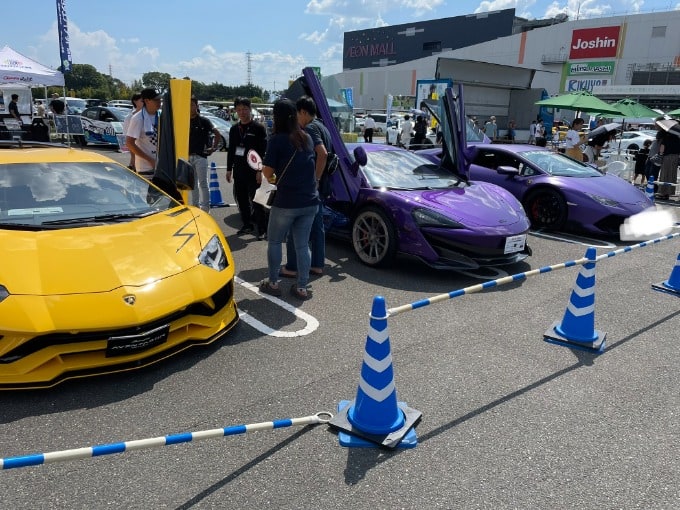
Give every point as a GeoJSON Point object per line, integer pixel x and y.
{"type": "Point", "coordinates": [244, 136]}
{"type": "Point", "coordinates": [200, 147]}
{"type": "Point", "coordinates": [13, 107]}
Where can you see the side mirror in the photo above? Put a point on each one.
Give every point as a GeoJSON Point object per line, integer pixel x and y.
{"type": "Point", "coordinates": [185, 176]}
{"type": "Point", "coordinates": [507, 170]}
{"type": "Point", "coordinates": [360, 159]}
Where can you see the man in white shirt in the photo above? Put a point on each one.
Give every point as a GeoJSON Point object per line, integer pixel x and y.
{"type": "Point", "coordinates": [406, 131]}
{"type": "Point", "coordinates": [142, 134]}
{"type": "Point", "coordinates": [369, 127]}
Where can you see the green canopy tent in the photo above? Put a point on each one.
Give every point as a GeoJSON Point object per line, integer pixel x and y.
{"type": "Point", "coordinates": [581, 101]}
{"type": "Point", "coordinates": [631, 109]}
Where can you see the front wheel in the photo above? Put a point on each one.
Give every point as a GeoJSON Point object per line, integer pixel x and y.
{"type": "Point", "coordinates": [547, 209]}
{"type": "Point", "coordinates": [374, 237]}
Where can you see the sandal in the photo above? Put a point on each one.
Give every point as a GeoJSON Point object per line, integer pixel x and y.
{"type": "Point", "coordinates": [299, 292]}
{"type": "Point", "coordinates": [287, 273]}
{"type": "Point", "coordinates": [267, 288]}
{"type": "Point", "coordinates": [316, 271]}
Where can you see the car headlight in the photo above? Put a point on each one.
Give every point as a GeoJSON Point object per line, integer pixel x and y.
{"type": "Point", "coordinates": [429, 218]}
{"type": "Point", "coordinates": [603, 200]}
{"type": "Point", "coordinates": [214, 255]}
{"type": "Point", "coordinates": [4, 293]}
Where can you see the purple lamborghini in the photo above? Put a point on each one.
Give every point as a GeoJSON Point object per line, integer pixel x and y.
{"type": "Point", "coordinates": [390, 201]}
{"type": "Point", "coordinates": [557, 192]}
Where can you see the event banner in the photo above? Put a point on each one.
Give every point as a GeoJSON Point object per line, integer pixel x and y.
{"type": "Point", "coordinates": [62, 27]}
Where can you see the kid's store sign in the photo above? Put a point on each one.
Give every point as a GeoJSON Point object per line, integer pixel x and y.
{"type": "Point", "coordinates": [594, 42]}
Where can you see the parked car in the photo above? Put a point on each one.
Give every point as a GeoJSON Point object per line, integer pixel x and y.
{"type": "Point", "coordinates": [223, 126]}
{"type": "Point", "coordinates": [387, 201]}
{"type": "Point", "coordinates": [632, 140]}
{"type": "Point", "coordinates": [74, 105]}
{"type": "Point", "coordinates": [557, 192]}
{"type": "Point", "coordinates": [101, 271]}
{"type": "Point", "coordinates": [103, 124]}
{"type": "Point", "coordinates": [120, 103]}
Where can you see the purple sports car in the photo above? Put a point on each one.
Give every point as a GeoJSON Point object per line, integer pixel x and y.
{"type": "Point", "coordinates": [388, 200]}
{"type": "Point", "coordinates": [557, 192]}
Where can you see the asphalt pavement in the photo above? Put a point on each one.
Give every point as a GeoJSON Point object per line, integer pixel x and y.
{"type": "Point", "coordinates": [508, 420]}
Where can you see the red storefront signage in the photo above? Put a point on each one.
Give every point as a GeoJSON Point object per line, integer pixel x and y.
{"type": "Point", "coordinates": [594, 42]}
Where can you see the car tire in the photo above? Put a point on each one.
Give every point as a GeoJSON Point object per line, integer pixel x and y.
{"type": "Point", "coordinates": [374, 237]}
{"type": "Point", "coordinates": [546, 208]}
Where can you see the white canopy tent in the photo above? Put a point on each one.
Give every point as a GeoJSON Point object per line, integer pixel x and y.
{"type": "Point", "coordinates": [21, 71]}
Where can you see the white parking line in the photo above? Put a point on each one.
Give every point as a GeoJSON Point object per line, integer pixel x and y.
{"type": "Point", "coordinates": [311, 323]}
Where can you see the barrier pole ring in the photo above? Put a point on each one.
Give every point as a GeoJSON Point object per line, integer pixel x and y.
{"type": "Point", "coordinates": [323, 417]}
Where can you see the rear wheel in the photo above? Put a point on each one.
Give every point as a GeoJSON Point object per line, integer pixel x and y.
{"type": "Point", "coordinates": [374, 237]}
{"type": "Point", "coordinates": [546, 208]}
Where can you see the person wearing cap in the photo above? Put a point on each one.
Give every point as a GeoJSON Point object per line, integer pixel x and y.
{"type": "Point", "coordinates": [200, 147]}
{"type": "Point", "coordinates": [142, 134]}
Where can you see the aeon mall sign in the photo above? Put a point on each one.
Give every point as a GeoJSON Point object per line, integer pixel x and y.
{"type": "Point", "coordinates": [594, 42]}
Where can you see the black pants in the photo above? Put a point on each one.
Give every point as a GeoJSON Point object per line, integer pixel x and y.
{"type": "Point", "coordinates": [368, 135]}
{"type": "Point", "coordinates": [252, 214]}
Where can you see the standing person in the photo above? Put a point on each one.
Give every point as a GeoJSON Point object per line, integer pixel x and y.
{"type": "Point", "coordinates": [40, 109]}
{"type": "Point", "coordinates": [200, 147]}
{"type": "Point", "coordinates": [541, 140]}
{"type": "Point", "coordinates": [290, 156]}
{"type": "Point", "coordinates": [244, 136]}
{"type": "Point", "coordinates": [142, 134]}
{"type": "Point", "coordinates": [137, 103]}
{"type": "Point", "coordinates": [669, 150]}
{"type": "Point", "coordinates": [306, 115]}
{"type": "Point", "coordinates": [511, 131]}
{"type": "Point", "coordinates": [532, 132]}
{"type": "Point", "coordinates": [491, 129]}
{"type": "Point", "coordinates": [641, 162]}
{"type": "Point", "coordinates": [420, 131]}
{"type": "Point", "coordinates": [572, 142]}
{"type": "Point", "coordinates": [654, 164]}
{"type": "Point", "coordinates": [369, 127]}
{"type": "Point", "coordinates": [406, 131]}
{"type": "Point", "coordinates": [13, 107]}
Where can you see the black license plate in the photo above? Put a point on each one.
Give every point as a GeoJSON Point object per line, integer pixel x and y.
{"type": "Point", "coordinates": [130, 344]}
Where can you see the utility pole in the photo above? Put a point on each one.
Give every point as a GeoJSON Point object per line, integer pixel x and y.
{"type": "Point", "coordinates": [250, 75]}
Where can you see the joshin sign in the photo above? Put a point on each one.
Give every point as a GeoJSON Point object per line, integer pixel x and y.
{"type": "Point", "coordinates": [594, 42]}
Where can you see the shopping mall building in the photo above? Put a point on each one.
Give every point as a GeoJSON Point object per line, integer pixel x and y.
{"type": "Point", "coordinates": [507, 63]}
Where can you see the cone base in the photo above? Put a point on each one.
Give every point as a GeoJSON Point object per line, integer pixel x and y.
{"type": "Point", "coordinates": [665, 287]}
{"type": "Point", "coordinates": [350, 436]}
{"type": "Point", "coordinates": [597, 346]}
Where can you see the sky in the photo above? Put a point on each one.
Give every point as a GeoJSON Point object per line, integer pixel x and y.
{"type": "Point", "coordinates": [230, 41]}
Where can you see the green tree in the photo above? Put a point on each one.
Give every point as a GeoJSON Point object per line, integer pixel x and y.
{"type": "Point", "coordinates": [159, 81]}
{"type": "Point", "coordinates": [82, 76]}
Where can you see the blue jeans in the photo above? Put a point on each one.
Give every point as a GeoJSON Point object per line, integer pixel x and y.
{"type": "Point", "coordinates": [200, 195]}
{"type": "Point", "coordinates": [297, 222]}
{"type": "Point", "coordinates": [317, 238]}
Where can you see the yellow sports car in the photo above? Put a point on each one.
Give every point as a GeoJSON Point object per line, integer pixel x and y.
{"type": "Point", "coordinates": [100, 271]}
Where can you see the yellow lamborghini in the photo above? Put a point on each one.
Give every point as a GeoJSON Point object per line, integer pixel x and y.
{"type": "Point", "coordinates": [100, 271]}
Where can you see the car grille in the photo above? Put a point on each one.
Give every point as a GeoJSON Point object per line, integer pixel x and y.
{"type": "Point", "coordinates": [610, 224]}
{"type": "Point", "coordinates": [460, 255]}
{"type": "Point", "coordinates": [220, 299]}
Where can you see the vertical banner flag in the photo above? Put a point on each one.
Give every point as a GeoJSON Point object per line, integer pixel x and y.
{"type": "Point", "coordinates": [388, 108]}
{"type": "Point", "coordinates": [347, 96]}
{"type": "Point", "coordinates": [62, 28]}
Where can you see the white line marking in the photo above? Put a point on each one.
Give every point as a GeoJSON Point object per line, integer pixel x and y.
{"type": "Point", "coordinates": [311, 323]}
{"type": "Point", "coordinates": [586, 241]}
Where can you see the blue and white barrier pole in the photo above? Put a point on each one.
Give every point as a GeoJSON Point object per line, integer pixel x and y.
{"type": "Point", "coordinates": [519, 276]}
{"type": "Point", "coordinates": [37, 459]}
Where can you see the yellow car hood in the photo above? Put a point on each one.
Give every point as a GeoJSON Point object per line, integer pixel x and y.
{"type": "Point", "coordinates": [101, 258]}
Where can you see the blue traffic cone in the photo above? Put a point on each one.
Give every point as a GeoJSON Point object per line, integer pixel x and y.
{"type": "Point", "coordinates": [215, 193]}
{"type": "Point", "coordinates": [577, 329]}
{"type": "Point", "coordinates": [375, 418]}
{"type": "Point", "coordinates": [649, 190]}
{"type": "Point", "coordinates": [672, 285]}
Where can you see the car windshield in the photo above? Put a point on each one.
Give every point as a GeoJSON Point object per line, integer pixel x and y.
{"type": "Point", "coordinates": [557, 164]}
{"type": "Point", "coordinates": [76, 105]}
{"type": "Point", "coordinates": [74, 194]}
{"type": "Point", "coordinates": [406, 170]}
{"type": "Point", "coordinates": [119, 113]}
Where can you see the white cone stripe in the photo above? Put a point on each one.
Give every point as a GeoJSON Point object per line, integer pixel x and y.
{"type": "Point", "coordinates": [377, 364]}
{"type": "Point", "coordinates": [579, 312]}
{"type": "Point", "coordinates": [378, 336]}
{"type": "Point", "coordinates": [588, 273]}
{"type": "Point", "coordinates": [584, 292]}
{"type": "Point", "coordinates": [375, 394]}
